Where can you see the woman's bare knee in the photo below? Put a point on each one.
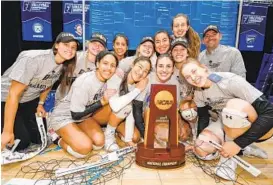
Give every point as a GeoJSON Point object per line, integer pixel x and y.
{"type": "Point", "coordinates": [136, 137]}
{"type": "Point", "coordinates": [83, 147]}
{"type": "Point", "coordinates": [98, 139]}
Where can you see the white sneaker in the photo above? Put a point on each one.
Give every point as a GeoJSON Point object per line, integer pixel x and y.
{"type": "Point", "coordinates": [254, 151]}
{"type": "Point", "coordinates": [226, 169]}
{"type": "Point", "coordinates": [110, 141]}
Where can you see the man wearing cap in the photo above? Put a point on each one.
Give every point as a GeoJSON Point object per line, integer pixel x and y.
{"type": "Point", "coordinates": [145, 48]}
{"type": "Point", "coordinates": [25, 86]}
{"type": "Point", "coordinates": [220, 58]}
{"type": "Point", "coordinates": [180, 52]}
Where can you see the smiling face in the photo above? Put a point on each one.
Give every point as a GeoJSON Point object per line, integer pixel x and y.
{"type": "Point", "coordinates": [146, 49]}
{"type": "Point", "coordinates": [66, 51]}
{"type": "Point", "coordinates": [179, 53]}
{"type": "Point", "coordinates": [95, 47]}
{"type": "Point", "coordinates": [120, 46]}
{"type": "Point", "coordinates": [140, 70]}
{"type": "Point", "coordinates": [162, 43]}
{"type": "Point", "coordinates": [212, 39]}
{"type": "Point", "coordinates": [195, 74]}
{"type": "Point", "coordinates": [180, 26]}
{"type": "Point", "coordinates": [164, 69]}
{"type": "Point", "coordinates": [106, 67]}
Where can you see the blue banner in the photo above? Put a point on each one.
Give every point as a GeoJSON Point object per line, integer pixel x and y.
{"type": "Point", "coordinates": [253, 24]}
{"type": "Point", "coordinates": [36, 20]}
{"type": "Point", "coordinates": [72, 18]}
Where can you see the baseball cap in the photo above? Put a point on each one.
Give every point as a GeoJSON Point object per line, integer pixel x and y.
{"type": "Point", "coordinates": [179, 41]}
{"type": "Point", "coordinates": [66, 37]}
{"type": "Point", "coordinates": [145, 39]}
{"type": "Point", "coordinates": [211, 27]}
{"type": "Point", "coordinates": [99, 37]}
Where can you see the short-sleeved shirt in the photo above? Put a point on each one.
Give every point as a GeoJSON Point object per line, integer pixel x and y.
{"type": "Point", "coordinates": [224, 59]}
{"type": "Point", "coordinates": [35, 68]}
{"type": "Point", "coordinates": [82, 66]}
{"type": "Point", "coordinates": [126, 63]}
{"type": "Point", "coordinates": [230, 86]}
{"type": "Point", "coordinates": [86, 90]}
{"type": "Point", "coordinates": [115, 81]}
{"type": "Point", "coordinates": [185, 88]}
{"type": "Point", "coordinates": [145, 95]}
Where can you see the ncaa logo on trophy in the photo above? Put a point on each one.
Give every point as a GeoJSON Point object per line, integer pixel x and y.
{"type": "Point", "coordinates": [160, 149]}
{"type": "Point", "coordinates": [37, 28]}
{"type": "Point", "coordinates": [163, 100]}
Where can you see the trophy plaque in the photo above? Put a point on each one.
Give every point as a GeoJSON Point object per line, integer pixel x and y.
{"type": "Point", "coordinates": [161, 149]}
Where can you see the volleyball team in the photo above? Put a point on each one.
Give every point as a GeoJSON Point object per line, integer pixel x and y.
{"type": "Point", "coordinates": [105, 94]}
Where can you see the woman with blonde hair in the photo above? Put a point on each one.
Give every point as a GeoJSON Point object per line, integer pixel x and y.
{"type": "Point", "coordinates": [216, 90]}
{"type": "Point", "coordinates": [145, 49]}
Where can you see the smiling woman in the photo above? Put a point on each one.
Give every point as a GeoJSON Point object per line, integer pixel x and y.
{"type": "Point", "coordinates": [144, 49]}
{"type": "Point", "coordinates": [120, 45]}
{"type": "Point", "coordinates": [181, 28]}
{"type": "Point", "coordinates": [162, 42]}
{"type": "Point", "coordinates": [164, 68]}
{"type": "Point", "coordinates": [25, 86]}
{"type": "Point", "coordinates": [217, 91]}
{"type": "Point", "coordinates": [133, 83]}
{"type": "Point", "coordinates": [85, 62]}
{"type": "Point", "coordinates": [163, 75]}
{"type": "Point", "coordinates": [78, 116]}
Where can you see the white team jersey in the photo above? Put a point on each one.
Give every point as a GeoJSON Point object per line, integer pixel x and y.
{"type": "Point", "coordinates": [35, 68]}
{"type": "Point", "coordinates": [230, 86]}
{"type": "Point", "coordinates": [86, 90]}
{"type": "Point", "coordinates": [82, 66]}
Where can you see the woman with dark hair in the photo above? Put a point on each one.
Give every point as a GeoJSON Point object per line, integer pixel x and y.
{"type": "Point", "coordinates": [163, 74]}
{"type": "Point", "coordinates": [162, 42]}
{"type": "Point", "coordinates": [25, 86]}
{"type": "Point", "coordinates": [78, 116]}
{"type": "Point", "coordinates": [181, 28]}
{"type": "Point", "coordinates": [120, 46]}
{"type": "Point", "coordinates": [86, 60]}
{"type": "Point", "coordinates": [133, 83]}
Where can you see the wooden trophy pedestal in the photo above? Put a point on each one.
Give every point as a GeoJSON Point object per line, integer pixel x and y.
{"type": "Point", "coordinates": [160, 158]}
{"type": "Point", "coordinates": [161, 125]}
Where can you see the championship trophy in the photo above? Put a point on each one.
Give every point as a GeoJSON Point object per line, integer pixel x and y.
{"type": "Point", "coordinates": [156, 152]}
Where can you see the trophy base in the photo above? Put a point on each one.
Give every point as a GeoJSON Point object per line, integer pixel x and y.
{"type": "Point", "coordinates": [158, 158]}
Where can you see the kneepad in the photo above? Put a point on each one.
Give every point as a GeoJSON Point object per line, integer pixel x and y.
{"type": "Point", "coordinates": [73, 153]}
{"type": "Point", "coordinates": [97, 147]}
{"type": "Point", "coordinates": [234, 119]}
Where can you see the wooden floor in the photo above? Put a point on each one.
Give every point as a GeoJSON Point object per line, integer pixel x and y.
{"type": "Point", "coordinates": [186, 175]}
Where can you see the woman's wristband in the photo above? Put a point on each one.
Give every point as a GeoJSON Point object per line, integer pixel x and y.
{"type": "Point", "coordinates": [41, 103]}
